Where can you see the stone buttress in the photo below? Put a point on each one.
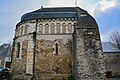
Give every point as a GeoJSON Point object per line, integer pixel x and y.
{"type": "Point", "coordinates": [88, 56]}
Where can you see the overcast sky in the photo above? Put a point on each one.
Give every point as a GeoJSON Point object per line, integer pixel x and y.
{"type": "Point", "coordinates": [106, 13]}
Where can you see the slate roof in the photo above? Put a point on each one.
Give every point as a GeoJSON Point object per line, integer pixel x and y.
{"type": "Point", "coordinates": [109, 47]}
{"type": "Point", "coordinates": [57, 12]}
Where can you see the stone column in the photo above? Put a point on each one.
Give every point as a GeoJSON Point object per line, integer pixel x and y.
{"type": "Point", "coordinates": [81, 63]}
{"type": "Point", "coordinates": [31, 44]}
{"type": "Point", "coordinates": [30, 51]}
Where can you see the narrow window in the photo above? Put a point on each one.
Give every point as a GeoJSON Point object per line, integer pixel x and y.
{"type": "Point", "coordinates": [56, 48]}
{"type": "Point", "coordinates": [40, 28]}
{"type": "Point", "coordinates": [64, 28]}
{"type": "Point", "coordinates": [15, 33]}
{"type": "Point", "coordinates": [18, 50]}
{"type": "Point", "coordinates": [21, 30]}
{"type": "Point", "coordinates": [46, 28]}
{"type": "Point", "coordinates": [69, 27]}
{"type": "Point", "coordinates": [52, 28]}
{"type": "Point", "coordinates": [58, 28]}
{"type": "Point", "coordinates": [26, 27]}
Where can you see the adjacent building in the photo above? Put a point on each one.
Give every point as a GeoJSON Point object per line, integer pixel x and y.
{"type": "Point", "coordinates": [5, 55]}
{"type": "Point", "coordinates": [112, 58]}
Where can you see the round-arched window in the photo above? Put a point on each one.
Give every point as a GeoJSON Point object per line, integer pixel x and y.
{"type": "Point", "coordinates": [26, 27]}
{"type": "Point", "coordinates": [46, 28]}
{"type": "Point", "coordinates": [18, 50]}
{"type": "Point", "coordinates": [64, 27]}
{"type": "Point", "coordinates": [69, 27]}
{"type": "Point", "coordinates": [40, 28]}
{"type": "Point", "coordinates": [58, 28]}
{"type": "Point", "coordinates": [52, 28]}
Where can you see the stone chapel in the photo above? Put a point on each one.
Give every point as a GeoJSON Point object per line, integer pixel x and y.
{"type": "Point", "coordinates": [58, 42]}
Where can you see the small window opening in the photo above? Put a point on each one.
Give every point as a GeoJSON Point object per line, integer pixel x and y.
{"type": "Point", "coordinates": [18, 50]}
{"type": "Point", "coordinates": [56, 48]}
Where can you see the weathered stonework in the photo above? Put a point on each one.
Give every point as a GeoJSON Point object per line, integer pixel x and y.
{"type": "Point", "coordinates": [112, 63]}
{"type": "Point", "coordinates": [88, 57]}
{"type": "Point", "coordinates": [48, 63]}
{"type": "Point", "coordinates": [88, 62]}
{"type": "Point", "coordinates": [30, 54]}
{"type": "Point", "coordinates": [58, 46]}
{"type": "Point", "coordinates": [20, 68]}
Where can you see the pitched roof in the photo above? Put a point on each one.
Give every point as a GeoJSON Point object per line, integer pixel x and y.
{"type": "Point", "coordinates": [109, 47]}
{"type": "Point", "coordinates": [57, 12]}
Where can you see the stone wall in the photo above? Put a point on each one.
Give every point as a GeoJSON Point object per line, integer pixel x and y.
{"type": "Point", "coordinates": [19, 64]}
{"type": "Point", "coordinates": [79, 55]}
{"type": "Point", "coordinates": [45, 26]}
{"type": "Point", "coordinates": [48, 63]}
{"type": "Point", "coordinates": [112, 63]}
{"type": "Point", "coordinates": [88, 56]}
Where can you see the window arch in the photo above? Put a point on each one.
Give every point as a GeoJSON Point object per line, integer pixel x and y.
{"type": "Point", "coordinates": [52, 28]}
{"type": "Point", "coordinates": [22, 30]}
{"type": "Point", "coordinates": [17, 32]}
{"type": "Point", "coordinates": [46, 28]}
{"type": "Point", "coordinates": [26, 27]}
{"type": "Point", "coordinates": [58, 28]}
{"type": "Point", "coordinates": [18, 50]}
{"type": "Point", "coordinates": [64, 27]}
{"type": "Point", "coordinates": [69, 27]}
{"type": "Point", "coordinates": [40, 28]}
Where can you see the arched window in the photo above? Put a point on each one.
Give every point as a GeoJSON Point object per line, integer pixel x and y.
{"type": "Point", "coordinates": [46, 28]}
{"type": "Point", "coordinates": [56, 48]}
{"type": "Point", "coordinates": [22, 30]}
{"type": "Point", "coordinates": [18, 50]}
{"type": "Point", "coordinates": [64, 27]}
{"type": "Point", "coordinates": [69, 27]}
{"type": "Point", "coordinates": [52, 28]}
{"type": "Point", "coordinates": [18, 30]}
{"type": "Point", "coordinates": [58, 28]}
{"type": "Point", "coordinates": [40, 28]}
{"type": "Point", "coordinates": [26, 27]}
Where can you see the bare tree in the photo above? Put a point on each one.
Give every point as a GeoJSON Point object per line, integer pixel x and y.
{"type": "Point", "coordinates": [115, 38]}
